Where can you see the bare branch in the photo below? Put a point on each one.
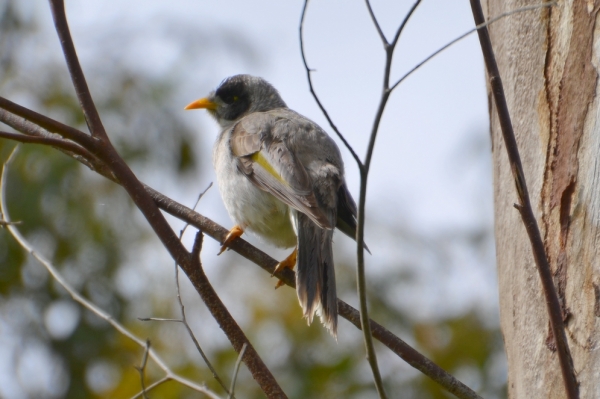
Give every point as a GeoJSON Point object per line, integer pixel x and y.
{"type": "Point", "coordinates": [195, 253]}
{"type": "Point", "coordinates": [376, 23]}
{"type": "Point", "coordinates": [142, 368]}
{"type": "Point", "coordinates": [33, 124]}
{"type": "Point", "coordinates": [220, 312]}
{"type": "Point", "coordinates": [235, 371]}
{"type": "Point", "coordinates": [56, 143]}
{"type": "Point", "coordinates": [404, 22]}
{"type": "Point", "coordinates": [4, 223]}
{"type": "Point", "coordinates": [16, 112]}
{"type": "Point", "coordinates": [183, 319]}
{"type": "Point", "coordinates": [151, 387]}
{"type": "Point", "coordinates": [360, 230]}
{"type": "Point", "coordinates": [80, 299]}
{"type": "Point", "coordinates": [525, 209]}
{"type": "Point", "coordinates": [480, 26]}
{"type": "Point", "coordinates": [81, 88]}
{"type": "Point", "coordinates": [314, 94]}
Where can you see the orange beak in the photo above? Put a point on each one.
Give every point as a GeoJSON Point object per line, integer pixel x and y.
{"type": "Point", "coordinates": [202, 103]}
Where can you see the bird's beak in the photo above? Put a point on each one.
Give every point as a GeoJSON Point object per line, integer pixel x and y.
{"type": "Point", "coordinates": [202, 103]}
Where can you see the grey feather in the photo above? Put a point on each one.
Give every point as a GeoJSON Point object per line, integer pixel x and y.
{"type": "Point", "coordinates": [315, 275]}
{"type": "Point", "coordinates": [254, 134]}
{"type": "Point", "coordinates": [346, 214]}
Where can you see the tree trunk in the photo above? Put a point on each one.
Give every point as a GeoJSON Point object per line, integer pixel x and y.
{"type": "Point", "coordinates": [548, 62]}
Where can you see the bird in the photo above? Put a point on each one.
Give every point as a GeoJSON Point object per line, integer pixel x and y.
{"type": "Point", "coordinates": [281, 177]}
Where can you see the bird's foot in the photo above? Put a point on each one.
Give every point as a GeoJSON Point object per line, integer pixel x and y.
{"type": "Point", "coordinates": [235, 232]}
{"type": "Point", "coordinates": [289, 263]}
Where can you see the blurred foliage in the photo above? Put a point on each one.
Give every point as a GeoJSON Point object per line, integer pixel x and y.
{"type": "Point", "coordinates": [91, 231]}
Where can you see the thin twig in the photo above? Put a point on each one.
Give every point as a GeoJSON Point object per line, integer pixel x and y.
{"type": "Point", "coordinates": [159, 319]}
{"type": "Point", "coordinates": [376, 23]}
{"type": "Point", "coordinates": [235, 371]}
{"type": "Point", "coordinates": [187, 224]}
{"type": "Point", "coordinates": [220, 312]}
{"type": "Point", "coordinates": [360, 230]}
{"type": "Point", "coordinates": [4, 223]}
{"type": "Point", "coordinates": [183, 319]}
{"type": "Point", "coordinates": [482, 25]}
{"type": "Point", "coordinates": [151, 387]}
{"type": "Point", "coordinates": [142, 369]}
{"type": "Point", "coordinates": [92, 117]}
{"type": "Point", "coordinates": [80, 299]}
{"type": "Point", "coordinates": [404, 22]}
{"type": "Point", "coordinates": [314, 94]}
{"type": "Point", "coordinates": [525, 209]}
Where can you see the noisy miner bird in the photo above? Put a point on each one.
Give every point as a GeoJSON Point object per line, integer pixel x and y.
{"type": "Point", "coordinates": [282, 177]}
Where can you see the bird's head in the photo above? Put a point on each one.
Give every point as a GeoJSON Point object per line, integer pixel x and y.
{"type": "Point", "coordinates": [238, 96]}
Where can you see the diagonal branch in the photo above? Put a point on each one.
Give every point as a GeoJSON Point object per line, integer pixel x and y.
{"type": "Point", "coordinates": [377, 26]}
{"type": "Point", "coordinates": [64, 145]}
{"type": "Point", "coordinates": [467, 33]}
{"type": "Point", "coordinates": [314, 94]}
{"type": "Point", "coordinates": [101, 147]}
{"type": "Point", "coordinates": [248, 251]}
{"type": "Point", "coordinates": [92, 117]}
{"type": "Point", "coordinates": [77, 297]}
{"type": "Point", "coordinates": [524, 207]}
{"type": "Point", "coordinates": [16, 113]}
{"type": "Point", "coordinates": [404, 22]}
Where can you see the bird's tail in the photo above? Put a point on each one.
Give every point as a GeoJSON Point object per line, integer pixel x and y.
{"type": "Point", "coordinates": [315, 276]}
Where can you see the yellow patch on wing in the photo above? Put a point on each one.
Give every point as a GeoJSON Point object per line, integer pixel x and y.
{"type": "Point", "coordinates": [260, 159]}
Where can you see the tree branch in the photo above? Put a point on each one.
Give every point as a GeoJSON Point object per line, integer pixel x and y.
{"type": "Point", "coordinates": [314, 94]}
{"type": "Point", "coordinates": [64, 145]}
{"type": "Point", "coordinates": [482, 25]}
{"type": "Point", "coordinates": [88, 107]}
{"type": "Point", "coordinates": [183, 319]}
{"type": "Point", "coordinates": [101, 147]}
{"type": "Point", "coordinates": [525, 209]}
{"type": "Point", "coordinates": [267, 263]}
{"type": "Point", "coordinates": [404, 22]}
{"type": "Point", "coordinates": [169, 374]}
{"type": "Point", "coordinates": [364, 174]}
{"type": "Point", "coordinates": [376, 23]}
{"type": "Point", "coordinates": [15, 114]}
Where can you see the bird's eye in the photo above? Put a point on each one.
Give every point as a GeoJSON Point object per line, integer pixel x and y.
{"type": "Point", "coordinates": [235, 98]}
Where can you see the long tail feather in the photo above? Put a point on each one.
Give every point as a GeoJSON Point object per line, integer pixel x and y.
{"type": "Point", "coordinates": [315, 276]}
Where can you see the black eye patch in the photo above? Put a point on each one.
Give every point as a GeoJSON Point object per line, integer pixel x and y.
{"type": "Point", "coordinates": [232, 90]}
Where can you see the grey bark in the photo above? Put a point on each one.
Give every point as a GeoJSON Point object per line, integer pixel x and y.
{"type": "Point", "coordinates": [549, 61]}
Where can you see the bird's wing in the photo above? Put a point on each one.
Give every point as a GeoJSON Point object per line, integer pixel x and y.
{"type": "Point", "coordinates": [272, 167]}
{"type": "Point", "coordinates": [346, 212]}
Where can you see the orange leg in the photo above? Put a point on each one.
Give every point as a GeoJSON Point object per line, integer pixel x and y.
{"type": "Point", "coordinates": [289, 262]}
{"type": "Point", "coordinates": [235, 232]}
